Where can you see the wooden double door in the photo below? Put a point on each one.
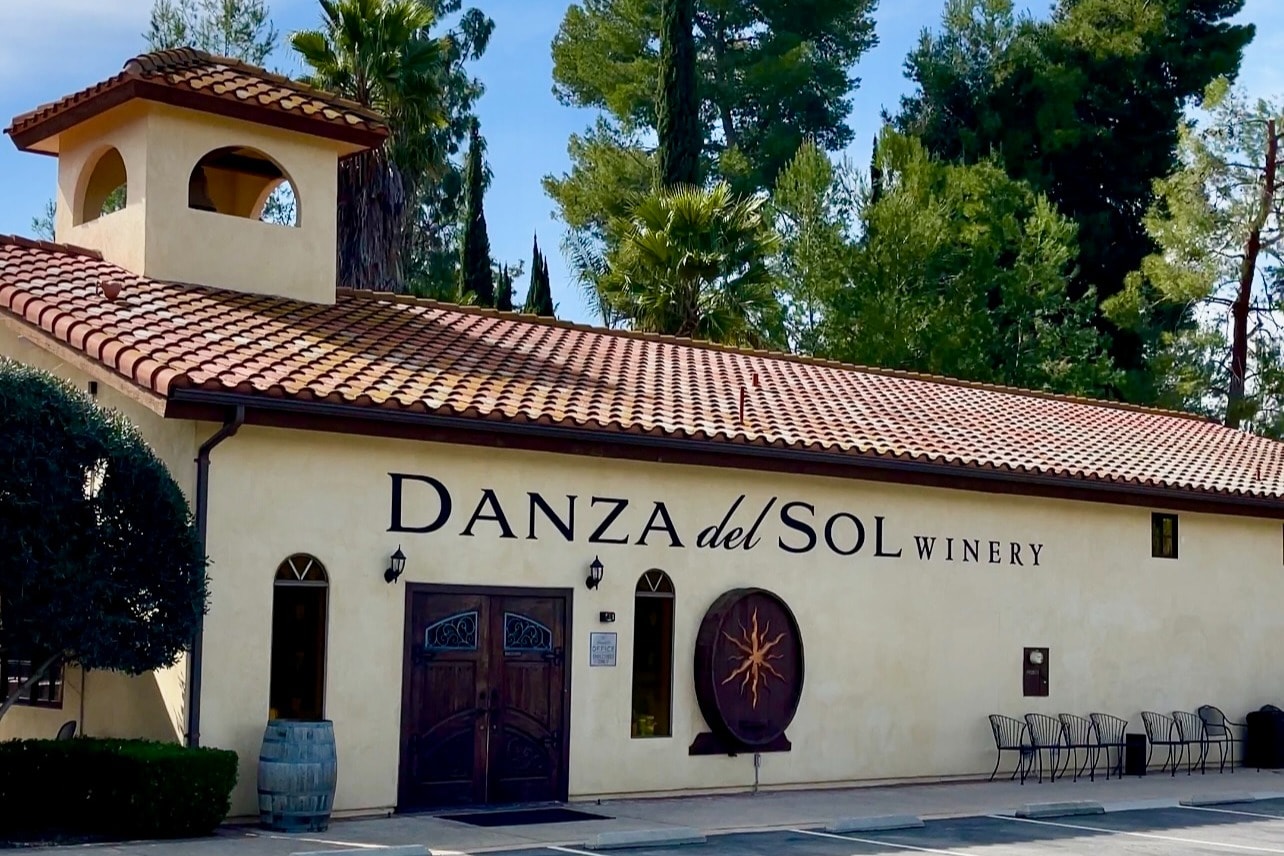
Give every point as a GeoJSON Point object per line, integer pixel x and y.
{"type": "Point", "coordinates": [485, 697]}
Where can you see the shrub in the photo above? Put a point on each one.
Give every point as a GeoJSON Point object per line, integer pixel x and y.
{"type": "Point", "coordinates": [113, 788]}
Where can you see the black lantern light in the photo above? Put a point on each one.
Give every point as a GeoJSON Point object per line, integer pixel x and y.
{"type": "Point", "coordinates": [595, 573]}
{"type": "Point", "coordinates": [396, 565]}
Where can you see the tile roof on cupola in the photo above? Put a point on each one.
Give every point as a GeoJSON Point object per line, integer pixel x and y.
{"type": "Point", "coordinates": [167, 168]}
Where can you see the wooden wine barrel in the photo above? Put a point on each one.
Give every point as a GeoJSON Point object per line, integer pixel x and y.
{"type": "Point", "coordinates": [748, 668]}
{"type": "Point", "coordinates": [298, 771]}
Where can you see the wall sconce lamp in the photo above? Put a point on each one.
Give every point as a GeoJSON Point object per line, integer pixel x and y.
{"type": "Point", "coordinates": [595, 573]}
{"type": "Point", "coordinates": [396, 564]}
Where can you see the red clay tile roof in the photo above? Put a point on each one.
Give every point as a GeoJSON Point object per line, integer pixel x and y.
{"type": "Point", "coordinates": [379, 351]}
{"type": "Point", "coordinates": [190, 78]}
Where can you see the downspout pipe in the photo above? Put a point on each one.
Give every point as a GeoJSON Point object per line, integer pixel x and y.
{"type": "Point", "coordinates": [233, 423]}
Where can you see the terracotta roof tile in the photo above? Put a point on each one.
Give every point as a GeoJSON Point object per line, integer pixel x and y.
{"type": "Point", "coordinates": [380, 351]}
{"type": "Point", "coordinates": [202, 81]}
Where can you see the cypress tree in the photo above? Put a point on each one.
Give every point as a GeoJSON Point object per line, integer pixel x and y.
{"type": "Point", "coordinates": [678, 125]}
{"type": "Point", "coordinates": [532, 290]}
{"type": "Point", "coordinates": [504, 291]}
{"type": "Point", "coordinates": [474, 266]}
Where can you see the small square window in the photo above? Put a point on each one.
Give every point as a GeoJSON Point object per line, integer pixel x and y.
{"type": "Point", "coordinates": [1163, 536]}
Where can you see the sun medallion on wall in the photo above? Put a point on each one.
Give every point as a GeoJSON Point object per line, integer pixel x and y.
{"type": "Point", "coordinates": [748, 673]}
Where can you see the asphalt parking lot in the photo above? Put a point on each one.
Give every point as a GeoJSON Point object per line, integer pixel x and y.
{"type": "Point", "coordinates": [1246, 828]}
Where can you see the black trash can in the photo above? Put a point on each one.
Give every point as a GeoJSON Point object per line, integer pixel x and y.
{"type": "Point", "coordinates": [1264, 738]}
{"type": "Point", "coordinates": [1134, 754]}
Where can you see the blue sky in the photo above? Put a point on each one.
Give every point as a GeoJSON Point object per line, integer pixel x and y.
{"type": "Point", "coordinates": [52, 47]}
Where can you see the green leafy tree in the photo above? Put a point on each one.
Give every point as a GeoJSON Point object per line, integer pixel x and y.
{"type": "Point", "coordinates": [381, 54]}
{"type": "Point", "coordinates": [431, 258]}
{"type": "Point", "coordinates": [963, 271]}
{"type": "Point", "coordinates": [475, 262]}
{"type": "Point", "coordinates": [812, 206]}
{"type": "Point", "coordinates": [770, 74]}
{"type": "Point", "coordinates": [1084, 107]}
{"type": "Point", "coordinates": [1219, 224]}
{"type": "Point", "coordinates": [239, 29]}
{"type": "Point", "coordinates": [691, 262]}
{"type": "Point", "coordinates": [102, 565]}
{"type": "Point", "coordinates": [678, 119]}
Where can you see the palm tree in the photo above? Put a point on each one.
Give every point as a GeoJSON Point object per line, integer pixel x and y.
{"type": "Point", "coordinates": [689, 261]}
{"type": "Point", "coordinates": [379, 53]}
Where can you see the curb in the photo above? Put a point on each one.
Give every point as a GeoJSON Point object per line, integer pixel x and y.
{"type": "Point", "coordinates": [1218, 799]}
{"type": "Point", "coordinates": [875, 824]}
{"type": "Point", "coordinates": [671, 837]}
{"type": "Point", "coordinates": [1033, 811]}
{"type": "Point", "coordinates": [396, 850]}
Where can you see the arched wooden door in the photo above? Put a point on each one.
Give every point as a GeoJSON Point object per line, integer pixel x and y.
{"type": "Point", "coordinates": [485, 697]}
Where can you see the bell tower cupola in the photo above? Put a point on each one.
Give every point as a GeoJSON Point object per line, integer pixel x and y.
{"type": "Point", "coordinates": [193, 168]}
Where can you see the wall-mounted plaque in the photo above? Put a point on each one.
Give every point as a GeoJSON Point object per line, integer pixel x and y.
{"type": "Point", "coordinates": [748, 673]}
{"type": "Point", "coordinates": [601, 649]}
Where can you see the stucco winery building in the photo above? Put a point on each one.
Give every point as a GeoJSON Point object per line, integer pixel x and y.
{"type": "Point", "coordinates": [632, 564]}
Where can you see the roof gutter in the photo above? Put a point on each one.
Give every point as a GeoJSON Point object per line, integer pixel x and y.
{"type": "Point", "coordinates": [1098, 490]}
{"type": "Point", "coordinates": [230, 426]}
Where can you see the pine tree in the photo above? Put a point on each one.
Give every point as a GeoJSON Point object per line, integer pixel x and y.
{"type": "Point", "coordinates": [475, 268]}
{"type": "Point", "coordinates": [678, 126]}
{"type": "Point", "coordinates": [504, 291]}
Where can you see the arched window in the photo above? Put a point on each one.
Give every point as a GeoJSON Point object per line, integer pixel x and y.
{"type": "Point", "coordinates": [243, 182]}
{"type": "Point", "coordinates": [104, 190]}
{"type": "Point", "coordinates": [653, 656]}
{"type": "Point", "coordinates": [299, 610]}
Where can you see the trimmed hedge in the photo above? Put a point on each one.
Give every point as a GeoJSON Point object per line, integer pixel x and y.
{"type": "Point", "coordinates": [113, 788]}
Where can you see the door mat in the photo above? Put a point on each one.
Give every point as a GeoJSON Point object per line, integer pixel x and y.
{"type": "Point", "coordinates": [523, 817]}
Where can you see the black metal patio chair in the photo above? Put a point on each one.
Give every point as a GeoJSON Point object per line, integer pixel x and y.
{"type": "Point", "coordinates": [1161, 730]}
{"type": "Point", "coordinates": [1010, 736]}
{"type": "Point", "coordinates": [1080, 733]}
{"type": "Point", "coordinates": [1217, 731]}
{"type": "Point", "coordinates": [1190, 728]}
{"type": "Point", "coordinates": [1110, 735]}
{"type": "Point", "coordinates": [1047, 734]}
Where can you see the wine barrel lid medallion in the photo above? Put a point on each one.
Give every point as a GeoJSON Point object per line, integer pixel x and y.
{"type": "Point", "coordinates": [748, 673]}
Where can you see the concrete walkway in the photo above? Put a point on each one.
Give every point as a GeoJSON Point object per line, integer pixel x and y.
{"type": "Point", "coordinates": [717, 814]}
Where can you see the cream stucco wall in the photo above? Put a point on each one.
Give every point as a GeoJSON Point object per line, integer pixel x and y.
{"type": "Point", "coordinates": [159, 236]}
{"type": "Point", "coordinates": [904, 658]}
{"type": "Point", "coordinates": [114, 705]}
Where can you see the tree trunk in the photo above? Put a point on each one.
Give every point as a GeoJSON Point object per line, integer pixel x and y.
{"type": "Point", "coordinates": [12, 699]}
{"type": "Point", "coordinates": [371, 222]}
{"type": "Point", "coordinates": [678, 118]}
{"type": "Point", "coordinates": [1247, 273]}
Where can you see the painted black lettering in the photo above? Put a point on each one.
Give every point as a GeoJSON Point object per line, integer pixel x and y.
{"type": "Point", "coordinates": [1016, 553]}
{"type": "Point", "coordinates": [829, 533]}
{"type": "Point", "coordinates": [994, 553]}
{"type": "Point", "coordinates": [878, 542]}
{"type": "Point", "coordinates": [750, 540]}
{"type": "Point", "coordinates": [732, 539]}
{"type": "Point", "coordinates": [925, 546]}
{"type": "Point", "coordinates": [598, 536]}
{"type": "Point", "coordinates": [488, 498]}
{"type": "Point", "coordinates": [1036, 549]}
{"type": "Point", "coordinates": [443, 503]}
{"type": "Point", "coordinates": [710, 536]}
{"type": "Point", "coordinates": [567, 527]}
{"type": "Point", "coordinates": [949, 549]}
{"type": "Point", "coordinates": [798, 526]}
{"type": "Point", "coordinates": [973, 547]}
{"type": "Point", "coordinates": [666, 526]}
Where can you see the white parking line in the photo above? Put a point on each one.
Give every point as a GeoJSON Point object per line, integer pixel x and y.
{"type": "Point", "coordinates": [560, 849]}
{"type": "Point", "coordinates": [1233, 811]}
{"type": "Point", "coordinates": [331, 842]}
{"type": "Point", "coordinates": [876, 843]}
{"type": "Point", "coordinates": [1106, 831]}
